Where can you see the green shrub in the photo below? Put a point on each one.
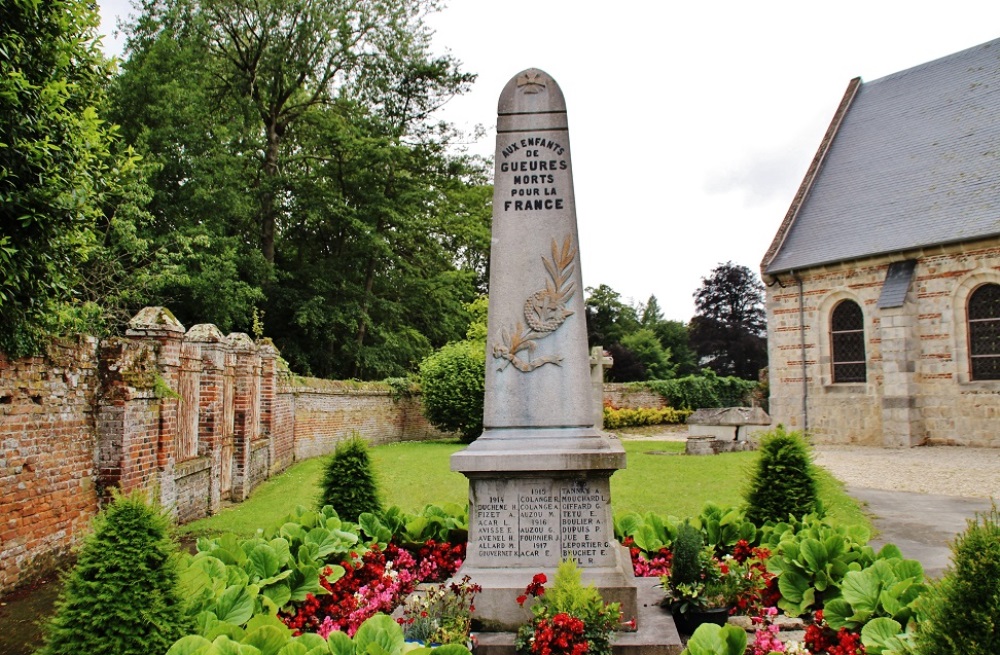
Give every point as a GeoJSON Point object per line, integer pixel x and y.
{"type": "Point", "coordinates": [122, 596]}
{"type": "Point", "coordinates": [962, 611]}
{"type": "Point", "coordinates": [703, 391]}
{"type": "Point", "coordinates": [685, 567]}
{"type": "Point", "coordinates": [348, 481]}
{"type": "Point", "coordinates": [783, 482]}
{"type": "Point", "coordinates": [453, 381]}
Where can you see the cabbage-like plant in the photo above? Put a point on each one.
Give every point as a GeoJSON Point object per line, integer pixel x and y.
{"type": "Point", "coordinates": [888, 588]}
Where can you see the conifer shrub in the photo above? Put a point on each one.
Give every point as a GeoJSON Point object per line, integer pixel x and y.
{"type": "Point", "coordinates": [122, 596]}
{"type": "Point", "coordinates": [685, 567]}
{"type": "Point", "coordinates": [783, 482]}
{"type": "Point", "coordinates": [349, 484]}
{"type": "Point", "coordinates": [961, 612]}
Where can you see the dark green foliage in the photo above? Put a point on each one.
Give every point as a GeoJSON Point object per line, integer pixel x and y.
{"type": "Point", "coordinates": [962, 611]}
{"type": "Point", "coordinates": [453, 381]}
{"type": "Point", "coordinates": [685, 567]}
{"type": "Point", "coordinates": [348, 482]}
{"type": "Point", "coordinates": [122, 596]}
{"type": "Point", "coordinates": [729, 332]}
{"type": "Point", "coordinates": [783, 482]}
{"type": "Point", "coordinates": [608, 317]}
{"type": "Point", "coordinates": [704, 391]}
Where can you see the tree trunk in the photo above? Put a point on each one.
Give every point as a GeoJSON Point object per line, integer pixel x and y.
{"type": "Point", "coordinates": [268, 211]}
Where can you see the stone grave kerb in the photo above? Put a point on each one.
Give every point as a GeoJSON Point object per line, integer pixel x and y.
{"type": "Point", "coordinates": [539, 475]}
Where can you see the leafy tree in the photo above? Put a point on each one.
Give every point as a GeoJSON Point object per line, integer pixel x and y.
{"type": "Point", "coordinates": [608, 317]}
{"type": "Point", "coordinates": [348, 484]}
{"type": "Point", "coordinates": [728, 331]}
{"type": "Point", "coordinates": [674, 336]}
{"type": "Point", "coordinates": [61, 174]}
{"type": "Point", "coordinates": [123, 595]}
{"type": "Point", "coordinates": [302, 174]}
{"type": "Point", "coordinates": [647, 349]}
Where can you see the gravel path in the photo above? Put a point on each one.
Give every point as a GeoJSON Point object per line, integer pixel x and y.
{"type": "Point", "coordinates": [941, 470]}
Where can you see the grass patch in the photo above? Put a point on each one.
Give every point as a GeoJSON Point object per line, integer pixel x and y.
{"type": "Point", "coordinates": [411, 475]}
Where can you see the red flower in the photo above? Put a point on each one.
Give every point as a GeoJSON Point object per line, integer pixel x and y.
{"type": "Point", "coordinates": [521, 599]}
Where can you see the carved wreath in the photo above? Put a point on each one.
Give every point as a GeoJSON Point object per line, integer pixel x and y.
{"type": "Point", "coordinates": [544, 312]}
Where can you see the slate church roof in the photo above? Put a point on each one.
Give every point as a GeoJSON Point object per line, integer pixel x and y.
{"type": "Point", "coordinates": [909, 160]}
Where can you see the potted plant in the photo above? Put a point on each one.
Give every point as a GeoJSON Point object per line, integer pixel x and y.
{"type": "Point", "coordinates": [568, 618]}
{"type": "Point", "coordinates": [700, 588]}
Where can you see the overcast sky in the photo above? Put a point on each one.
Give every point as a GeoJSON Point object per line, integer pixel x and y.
{"type": "Point", "coordinates": [691, 123]}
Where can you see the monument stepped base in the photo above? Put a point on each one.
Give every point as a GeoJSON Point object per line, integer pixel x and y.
{"type": "Point", "coordinates": [656, 633]}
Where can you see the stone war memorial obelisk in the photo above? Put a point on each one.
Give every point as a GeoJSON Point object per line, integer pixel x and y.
{"type": "Point", "coordinates": [539, 476]}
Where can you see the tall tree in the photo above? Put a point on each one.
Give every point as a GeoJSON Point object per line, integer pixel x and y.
{"type": "Point", "coordinates": [303, 172]}
{"type": "Point", "coordinates": [728, 331]}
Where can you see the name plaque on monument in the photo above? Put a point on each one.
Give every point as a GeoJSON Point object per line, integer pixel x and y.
{"type": "Point", "coordinates": [543, 520]}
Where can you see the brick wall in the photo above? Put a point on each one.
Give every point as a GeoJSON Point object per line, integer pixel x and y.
{"type": "Point", "coordinates": [918, 388]}
{"type": "Point", "coordinates": [191, 415]}
{"type": "Point", "coordinates": [327, 411]}
{"type": "Point", "coordinates": [47, 459]}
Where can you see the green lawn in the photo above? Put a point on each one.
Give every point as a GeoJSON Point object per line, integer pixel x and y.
{"type": "Point", "coordinates": [411, 475]}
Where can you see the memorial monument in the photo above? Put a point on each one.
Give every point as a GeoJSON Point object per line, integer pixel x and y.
{"type": "Point", "coordinates": [539, 476]}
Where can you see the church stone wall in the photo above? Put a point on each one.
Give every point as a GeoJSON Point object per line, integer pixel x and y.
{"type": "Point", "coordinates": [918, 389]}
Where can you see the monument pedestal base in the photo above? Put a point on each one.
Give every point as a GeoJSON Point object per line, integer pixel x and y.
{"type": "Point", "coordinates": [496, 605]}
{"type": "Point", "coordinates": [656, 633]}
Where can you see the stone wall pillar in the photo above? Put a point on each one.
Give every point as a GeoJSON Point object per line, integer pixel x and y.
{"type": "Point", "coordinates": [211, 424]}
{"type": "Point", "coordinates": [246, 416]}
{"type": "Point", "coordinates": [902, 422]}
{"type": "Point", "coordinates": [137, 413]}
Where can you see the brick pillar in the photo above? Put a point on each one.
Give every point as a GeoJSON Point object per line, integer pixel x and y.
{"type": "Point", "coordinates": [268, 394]}
{"type": "Point", "coordinates": [150, 371]}
{"type": "Point", "coordinates": [902, 421]}
{"type": "Point", "coordinates": [211, 413]}
{"type": "Point", "coordinates": [246, 416]}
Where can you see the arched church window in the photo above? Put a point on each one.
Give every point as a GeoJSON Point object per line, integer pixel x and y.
{"type": "Point", "coordinates": [984, 332]}
{"type": "Point", "coordinates": [847, 339]}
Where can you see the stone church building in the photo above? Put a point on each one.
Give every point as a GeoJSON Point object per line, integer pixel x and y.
{"type": "Point", "coordinates": [883, 281]}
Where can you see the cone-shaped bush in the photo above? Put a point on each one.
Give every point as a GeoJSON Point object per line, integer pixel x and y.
{"type": "Point", "coordinates": [783, 482]}
{"type": "Point", "coordinates": [122, 596]}
{"type": "Point", "coordinates": [685, 567]}
{"type": "Point", "coordinates": [348, 481]}
{"type": "Point", "coordinates": [961, 613]}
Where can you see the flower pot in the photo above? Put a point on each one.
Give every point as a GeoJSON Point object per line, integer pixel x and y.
{"type": "Point", "coordinates": [687, 622]}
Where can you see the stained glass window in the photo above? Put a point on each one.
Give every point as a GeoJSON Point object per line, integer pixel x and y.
{"type": "Point", "coordinates": [984, 332]}
{"type": "Point", "coordinates": [847, 336]}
